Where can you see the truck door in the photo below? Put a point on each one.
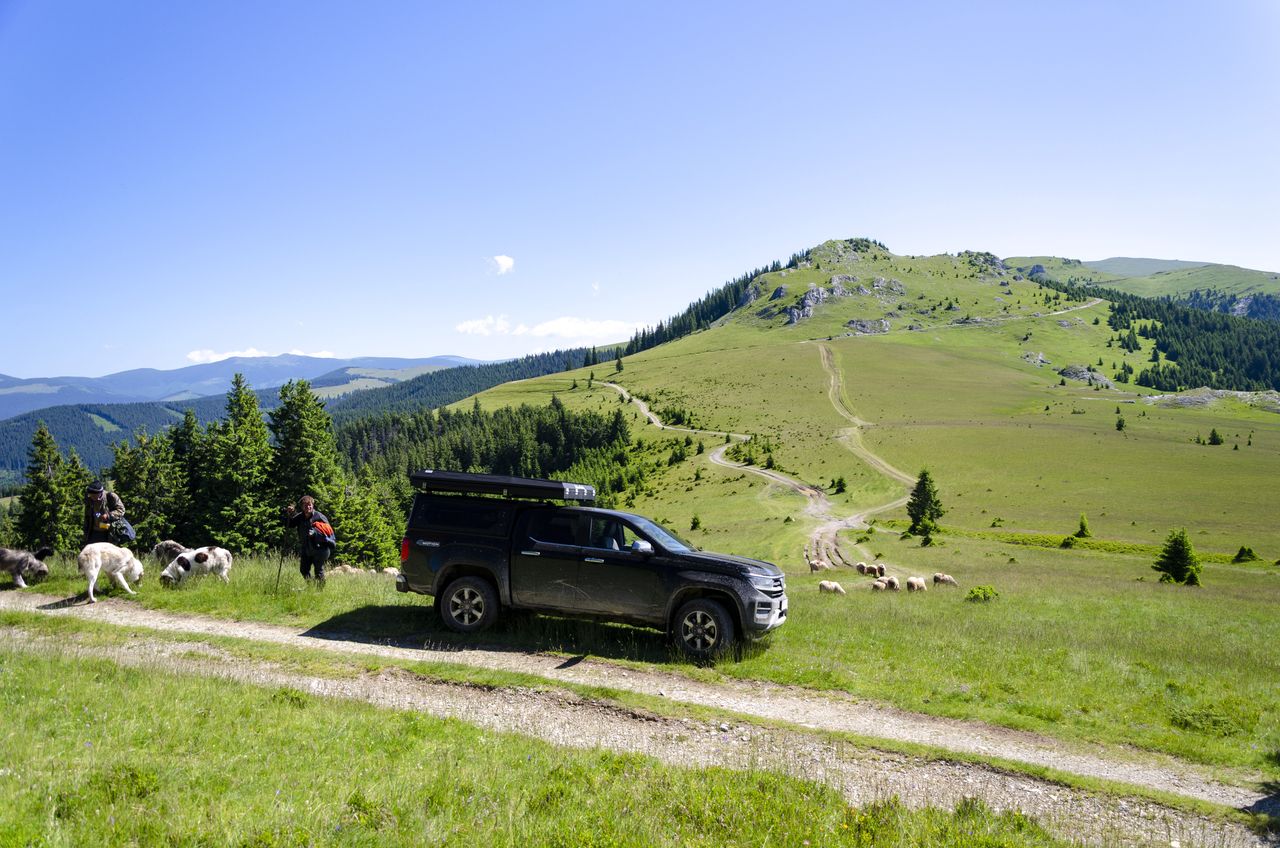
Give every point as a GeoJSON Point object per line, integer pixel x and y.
{"type": "Point", "coordinates": [615, 581]}
{"type": "Point", "coordinates": [545, 555]}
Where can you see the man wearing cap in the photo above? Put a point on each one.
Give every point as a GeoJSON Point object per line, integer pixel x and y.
{"type": "Point", "coordinates": [100, 509]}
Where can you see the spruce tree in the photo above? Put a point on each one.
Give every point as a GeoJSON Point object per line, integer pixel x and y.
{"type": "Point", "coordinates": [149, 481]}
{"type": "Point", "coordinates": [1178, 562]}
{"type": "Point", "coordinates": [304, 458]}
{"type": "Point", "coordinates": [924, 508]}
{"type": "Point", "coordinates": [235, 490]}
{"type": "Point", "coordinates": [1083, 532]}
{"type": "Point", "coordinates": [42, 499]}
{"type": "Point", "coordinates": [361, 516]}
{"type": "Point", "coordinates": [189, 448]}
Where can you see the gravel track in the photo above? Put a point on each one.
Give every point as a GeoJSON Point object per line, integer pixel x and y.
{"type": "Point", "coordinates": [862, 774]}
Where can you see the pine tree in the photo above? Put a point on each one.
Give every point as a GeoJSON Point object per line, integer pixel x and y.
{"type": "Point", "coordinates": [44, 505]}
{"type": "Point", "coordinates": [362, 523]}
{"type": "Point", "coordinates": [235, 491]}
{"type": "Point", "coordinates": [149, 481]}
{"type": "Point", "coordinates": [1083, 532]}
{"type": "Point", "coordinates": [1178, 562]}
{"type": "Point", "coordinates": [1215, 438]}
{"type": "Point", "coordinates": [924, 507]}
{"type": "Point", "coordinates": [304, 459]}
{"type": "Point", "coordinates": [189, 456]}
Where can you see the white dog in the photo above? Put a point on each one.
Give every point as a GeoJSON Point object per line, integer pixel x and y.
{"type": "Point", "coordinates": [104, 557]}
{"type": "Point", "coordinates": [193, 563]}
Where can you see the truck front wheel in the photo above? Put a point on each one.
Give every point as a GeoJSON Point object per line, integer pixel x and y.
{"type": "Point", "coordinates": [469, 604]}
{"type": "Point", "coordinates": [703, 629]}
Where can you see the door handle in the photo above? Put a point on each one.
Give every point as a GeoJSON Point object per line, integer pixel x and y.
{"type": "Point", "coordinates": [423, 543]}
{"type": "Point", "coordinates": [592, 559]}
{"type": "Point", "coordinates": [531, 553]}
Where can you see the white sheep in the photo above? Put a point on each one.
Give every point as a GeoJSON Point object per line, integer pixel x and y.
{"type": "Point", "coordinates": [879, 586]}
{"type": "Point", "coordinates": [917, 584]}
{"type": "Point", "coordinates": [892, 583]}
{"type": "Point", "coordinates": [831, 586]}
{"type": "Point", "coordinates": [946, 579]}
{"type": "Point", "coordinates": [862, 567]}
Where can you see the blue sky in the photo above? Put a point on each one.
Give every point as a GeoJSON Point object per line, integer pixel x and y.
{"type": "Point", "coordinates": [180, 181]}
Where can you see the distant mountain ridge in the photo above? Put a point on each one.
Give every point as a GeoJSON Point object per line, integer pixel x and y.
{"type": "Point", "coordinates": [18, 396]}
{"type": "Point", "coordinates": [1128, 266]}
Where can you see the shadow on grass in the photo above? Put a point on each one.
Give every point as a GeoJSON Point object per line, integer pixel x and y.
{"type": "Point", "coordinates": [516, 632]}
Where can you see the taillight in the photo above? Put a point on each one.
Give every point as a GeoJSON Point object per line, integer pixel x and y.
{"type": "Point", "coordinates": [404, 550]}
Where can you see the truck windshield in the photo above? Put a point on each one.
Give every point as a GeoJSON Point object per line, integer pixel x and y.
{"type": "Point", "coordinates": [662, 536]}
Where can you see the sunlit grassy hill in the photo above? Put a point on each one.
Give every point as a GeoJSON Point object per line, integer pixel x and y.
{"type": "Point", "coordinates": [964, 382]}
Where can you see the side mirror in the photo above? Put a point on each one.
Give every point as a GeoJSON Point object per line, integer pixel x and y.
{"type": "Point", "coordinates": [639, 546]}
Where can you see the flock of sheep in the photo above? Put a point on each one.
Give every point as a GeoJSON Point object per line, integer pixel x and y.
{"type": "Point", "coordinates": [882, 582]}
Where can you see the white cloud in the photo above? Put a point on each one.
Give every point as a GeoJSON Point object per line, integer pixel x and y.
{"type": "Point", "coordinates": [201, 357]}
{"type": "Point", "coordinates": [595, 288]}
{"type": "Point", "coordinates": [503, 263]}
{"type": "Point", "coordinates": [579, 330]}
{"type": "Point", "coordinates": [486, 326]}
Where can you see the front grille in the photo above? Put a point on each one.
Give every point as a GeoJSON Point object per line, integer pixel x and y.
{"type": "Point", "coordinates": [777, 590]}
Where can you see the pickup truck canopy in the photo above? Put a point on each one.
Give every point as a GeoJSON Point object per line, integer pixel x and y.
{"type": "Point", "coordinates": [500, 484]}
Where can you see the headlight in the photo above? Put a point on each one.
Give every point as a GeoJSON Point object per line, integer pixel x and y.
{"type": "Point", "coordinates": [763, 581]}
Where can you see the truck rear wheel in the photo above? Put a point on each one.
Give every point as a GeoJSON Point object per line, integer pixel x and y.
{"type": "Point", "coordinates": [703, 629]}
{"type": "Point", "coordinates": [469, 604]}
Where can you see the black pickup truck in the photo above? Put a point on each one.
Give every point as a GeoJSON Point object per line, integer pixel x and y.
{"type": "Point", "coordinates": [481, 542]}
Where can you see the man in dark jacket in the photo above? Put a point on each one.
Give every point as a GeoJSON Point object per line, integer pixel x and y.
{"type": "Point", "coordinates": [315, 535]}
{"type": "Point", "coordinates": [100, 509]}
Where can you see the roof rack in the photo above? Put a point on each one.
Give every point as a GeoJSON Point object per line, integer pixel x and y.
{"type": "Point", "coordinates": [500, 484]}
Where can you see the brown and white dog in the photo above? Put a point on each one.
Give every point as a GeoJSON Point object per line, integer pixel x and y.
{"type": "Point", "coordinates": [193, 563]}
{"type": "Point", "coordinates": [105, 558]}
{"type": "Point", "coordinates": [24, 565]}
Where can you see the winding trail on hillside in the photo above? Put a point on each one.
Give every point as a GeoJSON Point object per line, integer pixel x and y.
{"type": "Point", "coordinates": [753, 724]}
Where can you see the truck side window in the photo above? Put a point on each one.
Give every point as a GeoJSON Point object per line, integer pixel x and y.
{"type": "Point", "coordinates": [554, 528]}
{"type": "Point", "coordinates": [610, 534]}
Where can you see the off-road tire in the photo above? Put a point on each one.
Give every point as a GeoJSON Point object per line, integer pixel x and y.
{"type": "Point", "coordinates": [468, 605]}
{"type": "Point", "coordinates": [702, 629]}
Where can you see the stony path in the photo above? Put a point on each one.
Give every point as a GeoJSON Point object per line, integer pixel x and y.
{"type": "Point", "coordinates": [862, 774]}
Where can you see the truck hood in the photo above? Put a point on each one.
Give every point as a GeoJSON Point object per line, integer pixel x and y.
{"type": "Point", "coordinates": [730, 564]}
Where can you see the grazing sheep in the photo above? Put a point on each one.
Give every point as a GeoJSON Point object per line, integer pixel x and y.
{"type": "Point", "coordinates": [892, 583]}
{"type": "Point", "coordinates": [23, 564]}
{"type": "Point", "coordinates": [879, 586]}
{"type": "Point", "coordinates": [862, 567]}
{"type": "Point", "coordinates": [168, 549]}
{"type": "Point", "coordinates": [917, 584]}
{"type": "Point", "coordinates": [119, 563]}
{"type": "Point", "coordinates": [878, 568]}
{"type": "Point", "coordinates": [831, 586]}
{"type": "Point", "coordinates": [946, 579]}
{"type": "Point", "coordinates": [189, 563]}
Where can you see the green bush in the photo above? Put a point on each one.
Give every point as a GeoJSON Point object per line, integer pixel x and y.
{"type": "Point", "coordinates": [982, 593]}
{"type": "Point", "coordinates": [1245, 554]}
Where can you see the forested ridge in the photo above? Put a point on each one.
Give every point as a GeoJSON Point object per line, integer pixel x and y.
{"type": "Point", "coordinates": [1195, 347]}
{"type": "Point", "coordinates": [1265, 307]}
{"type": "Point", "coordinates": [227, 482]}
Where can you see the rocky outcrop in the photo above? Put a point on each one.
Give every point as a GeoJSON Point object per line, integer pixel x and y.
{"type": "Point", "coordinates": [1084, 375]}
{"type": "Point", "coordinates": [1036, 359]}
{"type": "Point", "coordinates": [778, 293]}
{"type": "Point", "coordinates": [804, 307]}
{"type": "Point", "coordinates": [749, 294]}
{"type": "Point", "coordinates": [867, 328]}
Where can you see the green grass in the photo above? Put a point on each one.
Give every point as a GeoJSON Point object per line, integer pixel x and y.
{"type": "Point", "coordinates": [1082, 645]}
{"type": "Point", "coordinates": [230, 764]}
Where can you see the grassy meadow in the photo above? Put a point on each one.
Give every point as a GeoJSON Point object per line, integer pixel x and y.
{"type": "Point", "coordinates": [224, 763]}
{"type": "Point", "coordinates": [1080, 645]}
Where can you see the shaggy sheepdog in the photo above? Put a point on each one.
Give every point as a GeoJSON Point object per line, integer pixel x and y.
{"type": "Point", "coordinates": [105, 558]}
{"type": "Point", "coordinates": [24, 565]}
{"type": "Point", "coordinates": [193, 563]}
{"type": "Point", "coordinates": [168, 549]}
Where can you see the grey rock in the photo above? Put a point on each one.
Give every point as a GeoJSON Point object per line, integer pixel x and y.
{"type": "Point", "coordinates": [778, 293]}
{"type": "Point", "coordinates": [867, 328]}
{"type": "Point", "coordinates": [1084, 375]}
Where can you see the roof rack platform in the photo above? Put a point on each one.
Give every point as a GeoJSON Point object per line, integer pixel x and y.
{"type": "Point", "coordinates": [500, 484]}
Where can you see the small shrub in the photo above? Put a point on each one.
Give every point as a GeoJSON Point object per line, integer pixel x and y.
{"type": "Point", "coordinates": [1245, 554]}
{"type": "Point", "coordinates": [926, 541]}
{"type": "Point", "coordinates": [982, 594]}
{"type": "Point", "coordinates": [1068, 542]}
{"type": "Point", "coordinates": [695, 523]}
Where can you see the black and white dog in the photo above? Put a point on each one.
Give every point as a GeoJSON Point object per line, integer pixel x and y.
{"type": "Point", "coordinates": [24, 565]}
{"type": "Point", "coordinates": [193, 563]}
